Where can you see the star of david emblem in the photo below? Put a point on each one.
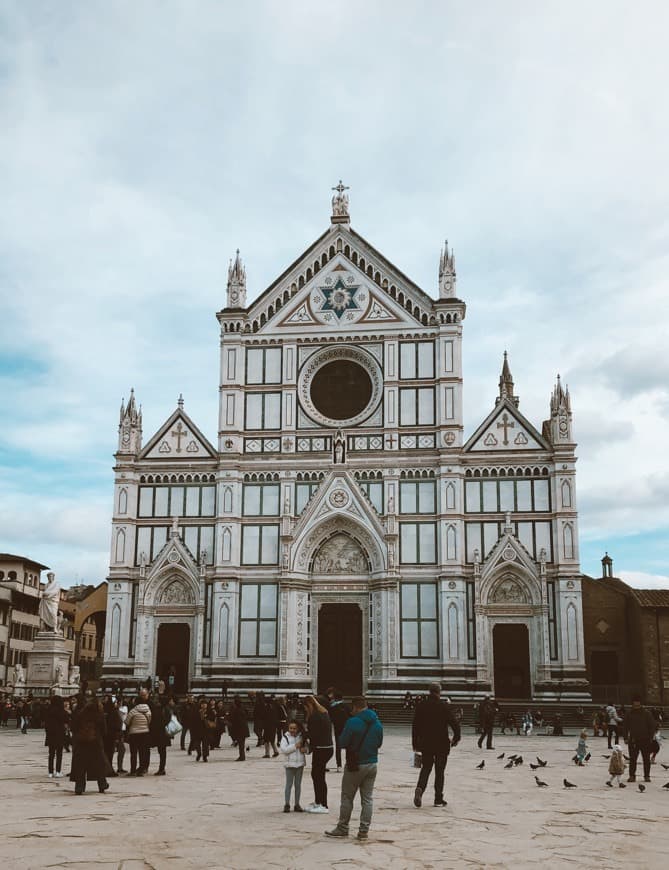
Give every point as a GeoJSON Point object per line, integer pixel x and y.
{"type": "Point", "coordinates": [339, 298]}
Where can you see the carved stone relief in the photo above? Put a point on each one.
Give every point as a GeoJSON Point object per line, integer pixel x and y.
{"type": "Point", "coordinates": [340, 555]}
{"type": "Point", "coordinates": [508, 591]}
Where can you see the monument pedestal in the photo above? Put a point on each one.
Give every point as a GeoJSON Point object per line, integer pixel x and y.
{"type": "Point", "coordinates": [48, 666]}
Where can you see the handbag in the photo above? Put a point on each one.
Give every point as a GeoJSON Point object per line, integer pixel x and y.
{"type": "Point", "coordinates": [353, 755]}
{"type": "Point", "coordinates": [173, 727]}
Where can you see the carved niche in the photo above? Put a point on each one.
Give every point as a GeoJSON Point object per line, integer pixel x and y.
{"type": "Point", "coordinates": [340, 554]}
{"type": "Point", "coordinates": [176, 592]}
{"type": "Point", "coordinates": [508, 591]}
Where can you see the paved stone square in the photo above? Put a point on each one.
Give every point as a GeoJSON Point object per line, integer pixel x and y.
{"type": "Point", "coordinates": [228, 815]}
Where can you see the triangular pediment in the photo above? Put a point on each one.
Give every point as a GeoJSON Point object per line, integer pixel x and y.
{"type": "Point", "coordinates": [341, 282]}
{"type": "Point", "coordinates": [505, 429]}
{"type": "Point", "coordinates": [338, 494]}
{"type": "Point", "coordinates": [178, 438]}
{"type": "Point", "coordinates": [509, 553]}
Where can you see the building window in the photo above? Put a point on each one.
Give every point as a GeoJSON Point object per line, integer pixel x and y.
{"type": "Point", "coordinates": [418, 497]}
{"type": "Point", "coordinates": [261, 500]}
{"type": "Point", "coordinates": [418, 543]}
{"type": "Point", "coordinates": [374, 492]}
{"type": "Point", "coordinates": [151, 540]}
{"type": "Point", "coordinates": [303, 492]}
{"type": "Point", "coordinates": [257, 620]}
{"type": "Point", "coordinates": [263, 365]}
{"type": "Point", "coordinates": [263, 411]}
{"type": "Point", "coordinates": [417, 406]}
{"type": "Point", "coordinates": [500, 496]}
{"type": "Point", "coordinates": [260, 545]}
{"type": "Point", "coordinates": [416, 359]}
{"type": "Point", "coordinates": [418, 615]}
{"type": "Point", "coordinates": [177, 501]}
{"type": "Point", "coordinates": [534, 536]}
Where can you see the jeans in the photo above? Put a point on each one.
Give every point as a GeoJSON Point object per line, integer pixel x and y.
{"type": "Point", "coordinates": [338, 749]}
{"type": "Point", "coordinates": [486, 734]}
{"type": "Point", "coordinates": [635, 749]}
{"type": "Point", "coordinates": [140, 752]}
{"type": "Point", "coordinates": [120, 753]}
{"type": "Point", "coordinates": [201, 747]}
{"type": "Point", "coordinates": [319, 760]}
{"type": "Point", "coordinates": [362, 779]}
{"type": "Point", "coordinates": [438, 760]}
{"type": "Point", "coordinates": [55, 752]}
{"type": "Point", "coordinates": [293, 777]}
{"type": "Point", "coordinates": [613, 729]}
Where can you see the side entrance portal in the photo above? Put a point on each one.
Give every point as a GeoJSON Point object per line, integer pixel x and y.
{"type": "Point", "coordinates": [340, 648]}
{"type": "Point", "coordinates": [511, 657]}
{"type": "Point", "coordinates": [172, 655]}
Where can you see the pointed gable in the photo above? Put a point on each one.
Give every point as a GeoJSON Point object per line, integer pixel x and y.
{"type": "Point", "coordinates": [178, 438]}
{"type": "Point", "coordinates": [505, 429]}
{"type": "Point", "coordinates": [338, 493]}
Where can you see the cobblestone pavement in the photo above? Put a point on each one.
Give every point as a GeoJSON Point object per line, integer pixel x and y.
{"type": "Point", "coordinates": [228, 815]}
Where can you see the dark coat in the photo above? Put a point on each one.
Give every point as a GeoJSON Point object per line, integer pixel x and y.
{"type": "Point", "coordinates": [88, 733]}
{"type": "Point", "coordinates": [639, 726]}
{"type": "Point", "coordinates": [160, 716]}
{"type": "Point", "coordinates": [54, 725]}
{"type": "Point", "coordinates": [198, 726]}
{"type": "Point", "coordinates": [487, 712]}
{"type": "Point", "coordinates": [238, 723]}
{"type": "Point", "coordinates": [320, 730]}
{"type": "Point", "coordinates": [429, 730]}
{"type": "Point", "coordinates": [339, 712]}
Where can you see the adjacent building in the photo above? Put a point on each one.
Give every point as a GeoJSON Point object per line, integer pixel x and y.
{"type": "Point", "coordinates": [20, 579]}
{"type": "Point", "coordinates": [345, 528]}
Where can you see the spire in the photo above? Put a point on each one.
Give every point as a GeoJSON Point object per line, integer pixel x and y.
{"type": "Point", "coordinates": [561, 418]}
{"type": "Point", "coordinates": [447, 273]}
{"type": "Point", "coordinates": [130, 426]}
{"type": "Point", "coordinates": [180, 401]}
{"type": "Point", "coordinates": [506, 384]}
{"type": "Point", "coordinates": [340, 212]}
{"type": "Point", "coordinates": [236, 283]}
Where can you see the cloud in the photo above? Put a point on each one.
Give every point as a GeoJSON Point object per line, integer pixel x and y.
{"type": "Point", "coordinates": [641, 580]}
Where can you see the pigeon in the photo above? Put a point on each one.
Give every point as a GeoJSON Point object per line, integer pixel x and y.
{"type": "Point", "coordinates": [588, 756]}
{"type": "Point", "coordinates": [666, 785]}
{"type": "Point", "coordinates": [574, 758]}
{"type": "Point", "coordinates": [481, 765]}
{"type": "Point", "coordinates": [540, 783]}
{"type": "Point", "coordinates": [500, 757]}
{"type": "Point", "coordinates": [508, 765]}
{"type": "Point", "coordinates": [534, 766]}
{"type": "Point", "coordinates": [642, 787]}
{"type": "Point", "coordinates": [541, 763]}
{"type": "Point", "coordinates": [518, 760]}
{"type": "Point", "coordinates": [568, 784]}
{"type": "Point", "coordinates": [606, 756]}
{"type": "Point", "coordinates": [513, 757]}
{"type": "Point", "coordinates": [665, 766]}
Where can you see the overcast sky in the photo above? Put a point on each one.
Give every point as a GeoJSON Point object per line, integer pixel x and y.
{"type": "Point", "coordinates": [142, 142]}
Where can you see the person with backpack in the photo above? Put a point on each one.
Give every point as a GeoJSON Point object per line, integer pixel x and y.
{"type": "Point", "coordinates": [361, 738]}
{"type": "Point", "coordinates": [430, 736]}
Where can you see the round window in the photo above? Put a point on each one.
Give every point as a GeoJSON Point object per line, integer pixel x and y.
{"type": "Point", "coordinates": [340, 386]}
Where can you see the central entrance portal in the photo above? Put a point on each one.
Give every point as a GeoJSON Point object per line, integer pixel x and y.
{"type": "Point", "coordinates": [511, 656]}
{"type": "Point", "coordinates": [173, 655]}
{"type": "Point", "coordinates": [340, 648]}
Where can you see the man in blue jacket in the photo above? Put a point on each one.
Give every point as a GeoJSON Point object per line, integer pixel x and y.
{"type": "Point", "coordinates": [362, 735]}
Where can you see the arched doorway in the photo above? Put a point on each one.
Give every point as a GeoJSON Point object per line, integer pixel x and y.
{"type": "Point", "coordinates": [511, 659]}
{"type": "Point", "coordinates": [340, 647]}
{"type": "Point", "coordinates": [173, 655]}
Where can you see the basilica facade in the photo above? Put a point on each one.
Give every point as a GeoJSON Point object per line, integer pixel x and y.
{"type": "Point", "coordinates": [345, 529]}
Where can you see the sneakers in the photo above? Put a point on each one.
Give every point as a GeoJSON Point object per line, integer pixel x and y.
{"type": "Point", "coordinates": [58, 774]}
{"type": "Point", "coordinates": [286, 808]}
{"type": "Point", "coordinates": [441, 803]}
{"type": "Point", "coordinates": [50, 775]}
{"type": "Point", "coordinates": [337, 832]}
{"type": "Point", "coordinates": [362, 835]}
{"type": "Point", "coordinates": [317, 808]}
{"type": "Point", "coordinates": [418, 797]}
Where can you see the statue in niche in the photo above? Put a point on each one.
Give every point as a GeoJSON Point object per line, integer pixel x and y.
{"type": "Point", "coordinates": [340, 555]}
{"type": "Point", "coordinates": [508, 591]}
{"type": "Point", "coordinates": [339, 449]}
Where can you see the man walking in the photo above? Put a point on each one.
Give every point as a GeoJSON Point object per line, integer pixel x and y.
{"type": "Point", "coordinates": [487, 712]}
{"type": "Point", "coordinates": [362, 736]}
{"type": "Point", "coordinates": [430, 736]}
{"type": "Point", "coordinates": [639, 727]}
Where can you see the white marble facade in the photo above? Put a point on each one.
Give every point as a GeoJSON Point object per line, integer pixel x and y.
{"type": "Point", "coordinates": [343, 475]}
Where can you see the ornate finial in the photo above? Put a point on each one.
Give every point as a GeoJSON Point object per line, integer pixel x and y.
{"type": "Point", "coordinates": [175, 527]}
{"type": "Point", "coordinates": [236, 283]}
{"type": "Point", "coordinates": [447, 274]}
{"type": "Point", "coordinates": [506, 383]}
{"type": "Point", "coordinates": [130, 426]}
{"type": "Point", "coordinates": [340, 212]}
{"type": "Point", "coordinates": [180, 401]}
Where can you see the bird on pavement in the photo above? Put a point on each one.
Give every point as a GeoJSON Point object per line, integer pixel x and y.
{"type": "Point", "coordinates": [481, 765]}
{"type": "Point", "coordinates": [514, 756]}
{"type": "Point", "coordinates": [606, 756]}
{"type": "Point", "coordinates": [500, 757]}
{"type": "Point", "coordinates": [642, 787]}
{"type": "Point", "coordinates": [568, 784]}
{"type": "Point", "coordinates": [665, 766]}
{"type": "Point", "coordinates": [666, 785]}
{"type": "Point", "coordinates": [540, 783]}
{"type": "Point", "coordinates": [518, 760]}
{"type": "Point", "coordinates": [541, 763]}
{"type": "Point", "coordinates": [534, 766]}
{"type": "Point", "coordinates": [508, 765]}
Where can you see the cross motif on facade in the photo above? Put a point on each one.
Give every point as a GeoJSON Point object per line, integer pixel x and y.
{"type": "Point", "coordinates": [506, 424]}
{"type": "Point", "coordinates": [340, 188]}
{"type": "Point", "coordinates": [180, 433]}
{"type": "Point", "coordinates": [390, 441]}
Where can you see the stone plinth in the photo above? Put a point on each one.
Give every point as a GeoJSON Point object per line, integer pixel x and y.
{"type": "Point", "coordinates": [48, 666]}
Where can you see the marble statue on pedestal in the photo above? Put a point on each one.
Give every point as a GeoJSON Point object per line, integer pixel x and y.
{"type": "Point", "coordinates": [75, 676]}
{"type": "Point", "coordinates": [48, 603]}
{"type": "Point", "coordinates": [19, 675]}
